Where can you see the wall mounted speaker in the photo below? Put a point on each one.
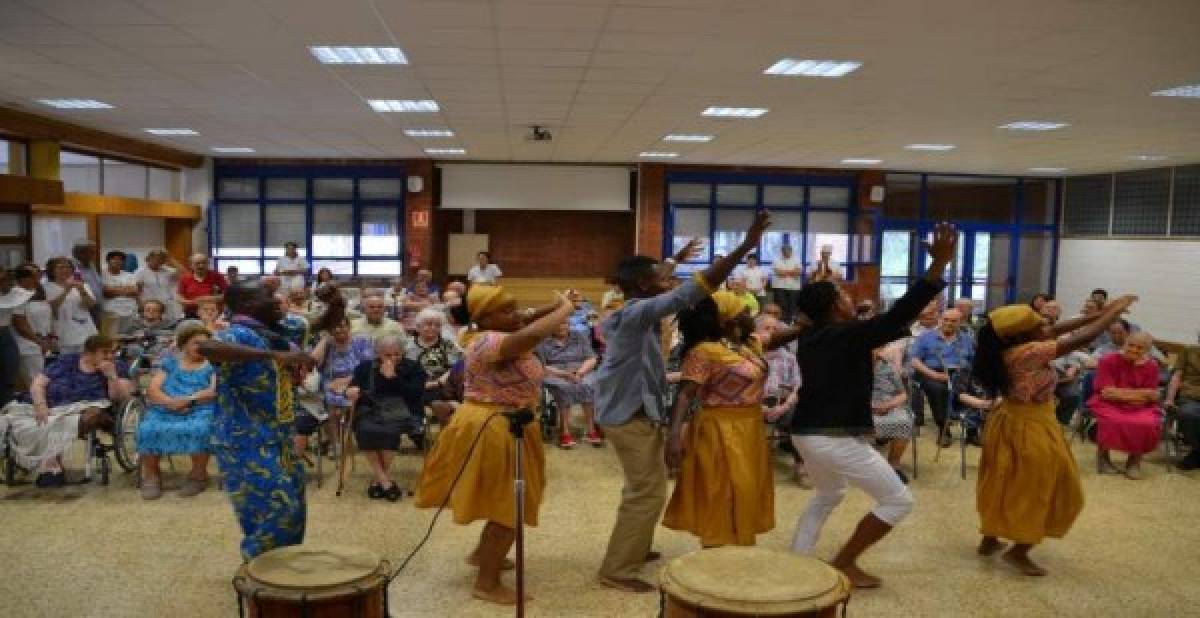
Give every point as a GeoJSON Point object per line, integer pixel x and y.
{"type": "Point", "coordinates": [415, 184]}
{"type": "Point", "coordinates": [877, 194]}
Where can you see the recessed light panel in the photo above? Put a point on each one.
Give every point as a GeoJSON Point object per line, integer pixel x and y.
{"type": "Point", "coordinates": [1033, 125]}
{"type": "Point", "coordinates": [445, 151]}
{"type": "Point", "coordinates": [1187, 91]}
{"type": "Point", "coordinates": [75, 103]}
{"type": "Point", "coordinates": [687, 137]}
{"type": "Point", "coordinates": [1149, 157]}
{"type": "Point", "coordinates": [658, 155]}
{"type": "Point", "coordinates": [358, 55]}
{"type": "Point", "coordinates": [172, 131]}
{"type": "Point", "coordinates": [931, 147]}
{"type": "Point", "coordinates": [861, 161]}
{"type": "Point", "coordinates": [735, 112]}
{"type": "Point", "coordinates": [232, 149]}
{"type": "Point", "coordinates": [429, 132]}
{"type": "Point", "coordinates": [1047, 170]}
{"type": "Point", "coordinates": [403, 105]}
{"type": "Point", "coordinates": [812, 68]}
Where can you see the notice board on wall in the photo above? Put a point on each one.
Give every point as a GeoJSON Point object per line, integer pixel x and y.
{"type": "Point", "coordinates": [461, 250]}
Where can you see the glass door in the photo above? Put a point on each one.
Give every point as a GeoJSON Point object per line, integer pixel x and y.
{"type": "Point", "coordinates": [981, 268]}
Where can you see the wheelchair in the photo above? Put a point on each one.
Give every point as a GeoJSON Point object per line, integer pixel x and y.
{"type": "Point", "coordinates": [143, 353]}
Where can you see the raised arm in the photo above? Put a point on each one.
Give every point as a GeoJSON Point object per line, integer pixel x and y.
{"type": "Point", "coordinates": [907, 307]}
{"type": "Point", "coordinates": [719, 271]}
{"type": "Point", "coordinates": [525, 340]}
{"type": "Point", "coordinates": [1084, 335]}
{"type": "Point", "coordinates": [786, 335]}
{"type": "Point", "coordinates": [1066, 326]}
{"type": "Point", "coordinates": [221, 352]}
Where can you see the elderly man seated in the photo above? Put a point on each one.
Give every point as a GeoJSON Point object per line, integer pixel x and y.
{"type": "Point", "coordinates": [1125, 402]}
{"type": "Point", "coordinates": [935, 353]}
{"type": "Point", "coordinates": [375, 323]}
{"type": "Point", "coordinates": [1183, 395]}
{"type": "Point", "coordinates": [387, 394]}
{"type": "Point", "coordinates": [69, 400]}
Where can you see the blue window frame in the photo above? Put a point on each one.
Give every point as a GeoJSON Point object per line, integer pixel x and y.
{"type": "Point", "coordinates": [807, 212]}
{"type": "Point", "coordinates": [347, 219]}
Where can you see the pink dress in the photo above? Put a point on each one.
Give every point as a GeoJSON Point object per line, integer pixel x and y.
{"type": "Point", "coordinates": [1127, 427]}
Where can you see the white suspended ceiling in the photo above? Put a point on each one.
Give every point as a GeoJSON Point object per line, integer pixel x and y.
{"type": "Point", "coordinates": [612, 77]}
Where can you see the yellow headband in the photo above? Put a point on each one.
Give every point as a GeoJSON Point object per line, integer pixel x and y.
{"type": "Point", "coordinates": [729, 305]}
{"type": "Point", "coordinates": [1013, 320]}
{"type": "Point", "coordinates": [483, 299]}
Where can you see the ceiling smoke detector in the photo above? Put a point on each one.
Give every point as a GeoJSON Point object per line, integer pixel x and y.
{"type": "Point", "coordinates": [538, 133]}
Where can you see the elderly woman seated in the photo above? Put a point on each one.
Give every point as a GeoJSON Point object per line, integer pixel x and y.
{"type": "Point", "coordinates": [387, 393]}
{"type": "Point", "coordinates": [69, 400]}
{"type": "Point", "coordinates": [436, 355]}
{"type": "Point", "coordinates": [892, 416]}
{"type": "Point", "coordinates": [208, 310]}
{"type": "Point", "coordinates": [337, 355]}
{"type": "Point", "coordinates": [179, 416]}
{"type": "Point", "coordinates": [569, 358]}
{"type": "Point", "coordinates": [1125, 403]}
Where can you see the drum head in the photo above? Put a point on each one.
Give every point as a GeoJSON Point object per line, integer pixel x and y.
{"type": "Point", "coordinates": [313, 566]}
{"type": "Point", "coordinates": [754, 581]}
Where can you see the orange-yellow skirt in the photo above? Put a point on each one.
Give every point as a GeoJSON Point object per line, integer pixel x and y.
{"type": "Point", "coordinates": [485, 490]}
{"type": "Point", "coordinates": [1028, 486]}
{"type": "Point", "coordinates": [725, 493]}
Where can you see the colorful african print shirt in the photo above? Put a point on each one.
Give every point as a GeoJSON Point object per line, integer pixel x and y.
{"type": "Point", "coordinates": [727, 377]}
{"type": "Point", "coordinates": [254, 399]}
{"type": "Point", "coordinates": [511, 382]}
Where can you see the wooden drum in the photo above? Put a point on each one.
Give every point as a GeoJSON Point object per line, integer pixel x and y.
{"type": "Point", "coordinates": [313, 581]}
{"type": "Point", "coordinates": [727, 582]}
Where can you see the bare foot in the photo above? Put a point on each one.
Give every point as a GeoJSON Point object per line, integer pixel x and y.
{"type": "Point", "coordinates": [858, 577]}
{"type": "Point", "coordinates": [500, 595]}
{"type": "Point", "coordinates": [508, 565]}
{"type": "Point", "coordinates": [1023, 564]}
{"type": "Point", "coordinates": [990, 545]}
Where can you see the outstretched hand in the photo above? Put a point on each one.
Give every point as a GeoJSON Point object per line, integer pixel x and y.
{"type": "Point", "coordinates": [762, 221]}
{"type": "Point", "coordinates": [945, 240]}
{"type": "Point", "coordinates": [690, 251]}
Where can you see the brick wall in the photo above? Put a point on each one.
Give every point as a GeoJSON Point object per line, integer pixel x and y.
{"type": "Point", "coordinates": [651, 201]}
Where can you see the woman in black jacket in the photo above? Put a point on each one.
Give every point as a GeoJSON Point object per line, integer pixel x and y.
{"type": "Point", "coordinates": [833, 420]}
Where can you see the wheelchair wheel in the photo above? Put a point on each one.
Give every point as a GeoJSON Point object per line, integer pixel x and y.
{"type": "Point", "coordinates": [125, 427]}
{"type": "Point", "coordinates": [105, 470]}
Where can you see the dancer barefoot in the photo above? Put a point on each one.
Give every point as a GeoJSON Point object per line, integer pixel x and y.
{"type": "Point", "coordinates": [1028, 485]}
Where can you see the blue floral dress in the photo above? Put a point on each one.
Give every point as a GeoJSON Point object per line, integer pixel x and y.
{"type": "Point", "coordinates": [341, 363]}
{"type": "Point", "coordinates": [164, 432]}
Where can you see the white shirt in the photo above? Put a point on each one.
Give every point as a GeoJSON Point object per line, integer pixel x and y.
{"type": "Point", "coordinates": [781, 282]}
{"type": "Point", "coordinates": [838, 273]}
{"type": "Point", "coordinates": [484, 275]}
{"type": "Point", "coordinates": [9, 302]}
{"type": "Point", "coordinates": [286, 263]}
{"type": "Point", "coordinates": [123, 306]}
{"type": "Point", "coordinates": [41, 320]}
{"type": "Point", "coordinates": [756, 278]}
{"type": "Point", "coordinates": [72, 324]}
{"type": "Point", "coordinates": [160, 285]}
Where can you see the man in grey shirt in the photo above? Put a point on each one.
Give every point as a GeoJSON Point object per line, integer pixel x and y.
{"type": "Point", "coordinates": [630, 384]}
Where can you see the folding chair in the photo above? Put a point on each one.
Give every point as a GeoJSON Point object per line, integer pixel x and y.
{"type": "Point", "coordinates": [954, 416]}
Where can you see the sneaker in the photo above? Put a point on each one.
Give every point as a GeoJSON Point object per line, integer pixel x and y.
{"type": "Point", "coordinates": [565, 441]}
{"type": "Point", "coordinates": [594, 438]}
{"type": "Point", "coordinates": [192, 487]}
{"type": "Point", "coordinates": [375, 491]}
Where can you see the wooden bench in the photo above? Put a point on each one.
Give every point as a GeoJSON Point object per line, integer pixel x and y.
{"type": "Point", "coordinates": [536, 291]}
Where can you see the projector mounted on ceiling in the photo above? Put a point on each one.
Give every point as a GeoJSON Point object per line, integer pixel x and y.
{"type": "Point", "coordinates": [538, 133]}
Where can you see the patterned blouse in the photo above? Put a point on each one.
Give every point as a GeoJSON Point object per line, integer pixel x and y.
{"type": "Point", "coordinates": [436, 359]}
{"type": "Point", "coordinates": [511, 382]}
{"type": "Point", "coordinates": [254, 399]}
{"type": "Point", "coordinates": [340, 362]}
{"type": "Point", "coordinates": [887, 382]}
{"type": "Point", "coordinates": [1031, 376]}
{"type": "Point", "coordinates": [726, 377]}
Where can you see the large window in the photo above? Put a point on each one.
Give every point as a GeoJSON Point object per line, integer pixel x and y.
{"type": "Point", "coordinates": [85, 173]}
{"type": "Point", "coordinates": [12, 157]}
{"type": "Point", "coordinates": [349, 220]}
{"type": "Point", "coordinates": [1151, 203]}
{"type": "Point", "coordinates": [806, 213]}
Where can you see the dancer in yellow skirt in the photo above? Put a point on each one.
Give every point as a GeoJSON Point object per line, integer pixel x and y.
{"type": "Point", "coordinates": [725, 493]}
{"type": "Point", "coordinates": [1028, 485]}
{"type": "Point", "coordinates": [501, 374]}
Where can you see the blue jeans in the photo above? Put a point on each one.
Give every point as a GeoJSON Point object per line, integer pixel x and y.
{"type": "Point", "coordinates": [1189, 422]}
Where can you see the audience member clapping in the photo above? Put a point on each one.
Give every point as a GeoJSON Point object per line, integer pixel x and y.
{"type": "Point", "coordinates": [71, 300]}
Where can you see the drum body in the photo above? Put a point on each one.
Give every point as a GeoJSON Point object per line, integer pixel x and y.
{"type": "Point", "coordinates": [737, 582]}
{"type": "Point", "coordinates": [314, 582]}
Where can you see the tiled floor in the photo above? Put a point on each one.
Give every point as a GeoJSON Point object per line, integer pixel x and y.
{"type": "Point", "coordinates": [96, 551]}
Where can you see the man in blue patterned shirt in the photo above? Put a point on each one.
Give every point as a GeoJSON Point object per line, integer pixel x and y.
{"type": "Point", "coordinates": [252, 436]}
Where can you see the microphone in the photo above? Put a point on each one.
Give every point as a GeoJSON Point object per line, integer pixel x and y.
{"type": "Point", "coordinates": [518, 419]}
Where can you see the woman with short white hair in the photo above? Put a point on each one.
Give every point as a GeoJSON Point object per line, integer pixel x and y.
{"type": "Point", "coordinates": [386, 393]}
{"type": "Point", "coordinates": [437, 355]}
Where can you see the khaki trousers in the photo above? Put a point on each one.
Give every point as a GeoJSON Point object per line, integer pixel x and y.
{"type": "Point", "coordinates": [639, 447]}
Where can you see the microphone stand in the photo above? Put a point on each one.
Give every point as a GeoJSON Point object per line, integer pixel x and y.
{"type": "Point", "coordinates": [517, 419]}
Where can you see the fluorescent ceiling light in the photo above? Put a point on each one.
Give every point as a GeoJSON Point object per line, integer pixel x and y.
{"type": "Point", "coordinates": [1033, 125]}
{"type": "Point", "coordinates": [687, 137]}
{"type": "Point", "coordinates": [1149, 157]}
{"type": "Point", "coordinates": [232, 149]}
{"type": "Point", "coordinates": [861, 161]}
{"type": "Point", "coordinates": [812, 68]}
{"type": "Point", "coordinates": [658, 155]}
{"type": "Point", "coordinates": [445, 151]}
{"type": "Point", "coordinates": [1048, 170]}
{"type": "Point", "coordinates": [358, 55]}
{"type": "Point", "coordinates": [172, 131]}
{"type": "Point", "coordinates": [930, 147]}
{"type": "Point", "coordinates": [735, 112]}
{"type": "Point", "coordinates": [429, 132]}
{"type": "Point", "coordinates": [403, 105]}
{"type": "Point", "coordinates": [1188, 91]}
{"type": "Point", "coordinates": [75, 103]}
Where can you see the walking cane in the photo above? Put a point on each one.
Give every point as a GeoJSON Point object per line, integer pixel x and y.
{"type": "Point", "coordinates": [344, 439]}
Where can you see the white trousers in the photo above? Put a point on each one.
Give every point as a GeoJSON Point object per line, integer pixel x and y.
{"type": "Point", "coordinates": [833, 463]}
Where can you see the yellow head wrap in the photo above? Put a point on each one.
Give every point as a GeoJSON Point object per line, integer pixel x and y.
{"type": "Point", "coordinates": [1012, 320]}
{"type": "Point", "coordinates": [729, 305]}
{"type": "Point", "coordinates": [483, 299]}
